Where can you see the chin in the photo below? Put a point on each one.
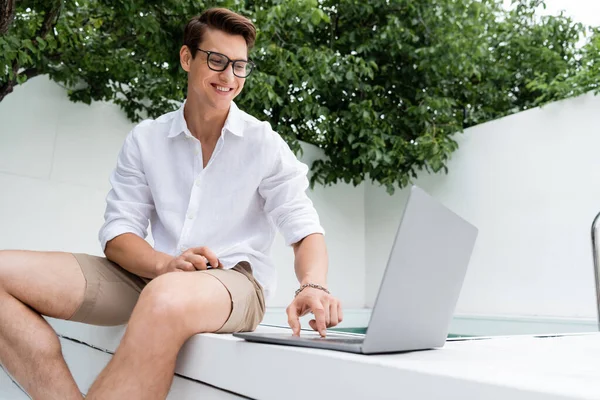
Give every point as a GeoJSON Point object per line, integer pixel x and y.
{"type": "Point", "coordinates": [222, 104]}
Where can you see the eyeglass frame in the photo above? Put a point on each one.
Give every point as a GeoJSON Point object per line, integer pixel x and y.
{"type": "Point", "coordinates": [229, 61]}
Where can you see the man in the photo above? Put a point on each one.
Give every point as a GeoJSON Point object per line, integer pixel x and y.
{"type": "Point", "coordinates": [215, 183]}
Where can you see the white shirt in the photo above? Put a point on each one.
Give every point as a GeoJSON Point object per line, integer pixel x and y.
{"type": "Point", "coordinates": [252, 185]}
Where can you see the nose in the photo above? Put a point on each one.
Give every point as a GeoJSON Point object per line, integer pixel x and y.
{"type": "Point", "coordinates": [227, 73]}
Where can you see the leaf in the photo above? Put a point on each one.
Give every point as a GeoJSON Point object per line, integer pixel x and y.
{"type": "Point", "coordinates": [42, 44]}
{"type": "Point", "coordinates": [21, 79]}
{"type": "Point", "coordinates": [379, 91]}
{"type": "Point", "coordinates": [316, 16]}
{"type": "Point", "coordinates": [29, 45]}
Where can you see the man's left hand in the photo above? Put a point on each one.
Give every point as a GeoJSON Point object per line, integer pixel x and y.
{"type": "Point", "coordinates": [326, 309]}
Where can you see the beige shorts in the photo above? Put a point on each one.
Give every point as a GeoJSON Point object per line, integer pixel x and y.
{"type": "Point", "coordinates": [112, 292]}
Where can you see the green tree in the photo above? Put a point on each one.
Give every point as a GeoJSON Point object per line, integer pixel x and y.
{"type": "Point", "coordinates": [381, 86]}
{"type": "Point", "coordinates": [582, 75]}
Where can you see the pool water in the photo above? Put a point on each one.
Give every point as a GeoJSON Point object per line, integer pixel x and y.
{"type": "Point", "coordinates": [461, 326]}
{"type": "Point", "coordinates": [364, 330]}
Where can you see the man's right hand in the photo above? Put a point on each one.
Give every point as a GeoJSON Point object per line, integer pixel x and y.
{"type": "Point", "coordinates": [194, 259]}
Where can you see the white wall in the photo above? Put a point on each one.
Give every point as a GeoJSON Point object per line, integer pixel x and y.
{"type": "Point", "coordinates": [531, 183]}
{"type": "Point", "coordinates": [55, 160]}
{"type": "Point", "coordinates": [528, 181]}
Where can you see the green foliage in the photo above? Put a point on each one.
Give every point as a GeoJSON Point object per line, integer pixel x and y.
{"type": "Point", "coordinates": [381, 86]}
{"type": "Point", "coordinates": [581, 76]}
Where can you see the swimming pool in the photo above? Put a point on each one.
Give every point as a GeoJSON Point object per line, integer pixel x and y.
{"type": "Point", "coordinates": [462, 326]}
{"type": "Point", "coordinates": [362, 331]}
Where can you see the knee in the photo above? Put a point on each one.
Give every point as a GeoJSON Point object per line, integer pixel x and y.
{"type": "Point", "coordinates": [164, 302]}
{"type": "Point", "coordinates": [43, 345]}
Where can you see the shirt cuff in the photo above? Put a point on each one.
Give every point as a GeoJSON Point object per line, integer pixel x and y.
{"type": "Point", "coordinates": [112, 231]}
{"type": "Point", "coordinates": [298, 235]}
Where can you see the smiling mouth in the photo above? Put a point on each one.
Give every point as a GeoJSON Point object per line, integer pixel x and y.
{"type": "Point", "coordinates": [222, 88]}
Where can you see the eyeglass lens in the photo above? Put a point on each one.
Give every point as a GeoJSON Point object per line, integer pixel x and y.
{"type": "Point", "coordinates": [219, 62]}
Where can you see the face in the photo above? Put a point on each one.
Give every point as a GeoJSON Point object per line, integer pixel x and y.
{"type": "Point", "coordinates": [212, 88]}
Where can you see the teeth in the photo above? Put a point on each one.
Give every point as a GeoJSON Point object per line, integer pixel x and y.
{"type": "Point", "coordinates": [223, 89]}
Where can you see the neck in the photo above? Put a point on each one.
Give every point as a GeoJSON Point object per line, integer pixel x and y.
{"type": "Point", "coordinates": [203, 122]}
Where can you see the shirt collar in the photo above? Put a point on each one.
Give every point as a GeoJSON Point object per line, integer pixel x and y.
{"type": "Point", "coordinates": [234, 122]}
{"type": "Point", "coordinates": [178, 126]}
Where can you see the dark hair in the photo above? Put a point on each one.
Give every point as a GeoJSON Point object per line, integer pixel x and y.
{"type": "Point", "coordinates": [221, 19]}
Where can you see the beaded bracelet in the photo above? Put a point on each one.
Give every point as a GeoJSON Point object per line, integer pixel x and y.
{"type": "Point", "coordinates": [312, 285]}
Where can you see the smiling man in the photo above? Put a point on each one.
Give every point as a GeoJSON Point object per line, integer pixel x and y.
{"type": "Point", "coordinates": [216, 184]}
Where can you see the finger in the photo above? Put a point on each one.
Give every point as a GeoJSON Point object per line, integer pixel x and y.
{"type": "Point", "coordinates": [198, 261]}
{"type": "Point", "coordinates": [212, 259]}
{"type": "Point", "coordinates": [326, 305]}
{"type": "Point", "coordinates": [183, 265]}
{"type": "Point", "coordinates": [293, 319]}
{"type": "Point", "coordinates": [319, 313]}
{"type": "Point", "coordinates": [209, 254]}
{"type": "Point", "coordinates": [340, 312]}
{"type": "Point", "coordinates": [333, 314]}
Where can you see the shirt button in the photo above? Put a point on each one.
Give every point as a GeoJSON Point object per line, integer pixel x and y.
{"type": "Point", "coordinates": [196, 152]}
{"type": "Point", "coordinates": [181, 249]}
{"type": "Point", "coordinates": [190, 216]}
{"type": "Point", "coordinates": [198, 182]}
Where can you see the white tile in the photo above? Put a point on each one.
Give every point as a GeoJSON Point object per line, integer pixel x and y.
{"type": "Point", "coordinates": [28, 118]}
{"type": "Point", "coordinates": [43, 215]}
{"type": "Point", "coordinates": [86, 363]}
{"type": "Point", "coordinates": [186, 389]}
{"type": "Point", "coordinates": [88, 141]}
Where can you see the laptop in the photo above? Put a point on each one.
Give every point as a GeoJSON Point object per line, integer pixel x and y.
{"type": "Point", "coordinates": [420, 287]}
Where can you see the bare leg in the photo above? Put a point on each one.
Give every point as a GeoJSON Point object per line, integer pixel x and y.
{"type": "Point", "coordinates": [31, 283]}
{"type": "Point", "coordinates": [171, 309]}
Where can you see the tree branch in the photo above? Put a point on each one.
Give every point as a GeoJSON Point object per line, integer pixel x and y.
{"type": "Point", "coordinates": [50, 19]}
{"type": "Point", "coordinates": [334, 27]}
{"type": "Point", "coordinates": [31, 72]}
{"type": "Point", "coordinates": [7, 13]}
{"type": "Point", "coordinates": [8, 87]}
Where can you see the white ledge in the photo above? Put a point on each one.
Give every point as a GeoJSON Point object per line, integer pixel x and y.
{"type": "Point", "coordinates": [517, 367]}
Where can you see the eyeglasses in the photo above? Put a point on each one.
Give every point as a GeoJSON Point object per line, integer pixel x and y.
{"type": "Point", "coordinates": [219, 62]}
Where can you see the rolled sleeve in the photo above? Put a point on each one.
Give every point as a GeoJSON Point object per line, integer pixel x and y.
{"type": "Point", "coordinates": [284, 191]}
{"type": "Point", "coordinates": [129, 203]}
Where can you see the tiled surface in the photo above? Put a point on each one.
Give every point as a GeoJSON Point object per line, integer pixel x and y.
{"type": "Point", "coordinates": [85, 364]}
{"type": "Point", "coordinates": [87, 144]}
{"type": "Point", "coordinates": [27, 137]}
{"type": "Point", "coordinates": [46, 215]}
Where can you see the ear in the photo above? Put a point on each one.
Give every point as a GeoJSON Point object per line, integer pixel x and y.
{"type": "Point", "coordinates": [185, 58]}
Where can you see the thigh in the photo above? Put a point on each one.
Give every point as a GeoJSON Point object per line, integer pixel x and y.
{"type": "Point", "coordinates": [111, 292]}
{"type": "Point", "coordinates": [62, 285]}
{"type": "Point", "coordinates": [247, 298]}
{"type": "Point", "coordinates": [49, 282]}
